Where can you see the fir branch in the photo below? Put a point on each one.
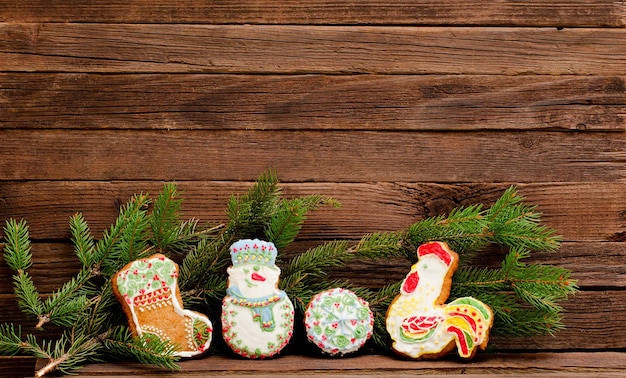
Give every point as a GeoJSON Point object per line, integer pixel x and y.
{"type": "Point", "coordinates": [64, 306]}
{"type": "Point", "coordinates": [207, 258]}
{"type": "Point", "coordinates": [517, 225]}
{"type": "Point", "coordinates": [146, 349]}
{"type": "Point", "coordinates": [381, 245]}
{"type": "Point", "coordinates": [165, 218]}
{"type": "Point", "coordinates": [249, 213]}
{"type": "Point", "coordinates": [465, 229]}
{"type": "Point", "coordinates": [18, 256]}
{"type": "Point", "coordinates": [104, 312]}
{"type": "Point", "coordinates": [17, 250]}
{"type": "Point", "coordinates": [65, 355]}
{"type": "Point", "coordinates": [307, 274]}
{"type": "Point", "coordinates": [524, 322]}
{"type": "Point", "coordinates": [286, 222]}
{"type": "Point", "coordinates": [83, 241]}
{"type": "Point", "coordinates": [10, 340]}
{"type": "Point", "coordinates": [514, 287]}
{"type": "Point", "coordinates": [68, 303]}
{"type": "Point", "coordinates": [108, 251]}
{"type": "Point", "coordinates": [313, 263]}
{"type": "Point", "coordinates": [28, 298]}
{"type": "Point", "coordinates": [189, 232]}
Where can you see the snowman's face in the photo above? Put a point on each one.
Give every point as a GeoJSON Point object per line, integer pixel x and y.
{"type": "Point", "coordinates": [254, 280]}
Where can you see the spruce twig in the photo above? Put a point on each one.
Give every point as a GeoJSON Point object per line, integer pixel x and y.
{"type": "Point", "coordinates": [85, 305]}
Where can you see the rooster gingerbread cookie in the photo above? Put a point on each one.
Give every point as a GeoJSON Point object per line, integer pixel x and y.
{"type": "Point", "coordinates": [419, 321]}
{"type": "Point", "coordinates": [257, 317]}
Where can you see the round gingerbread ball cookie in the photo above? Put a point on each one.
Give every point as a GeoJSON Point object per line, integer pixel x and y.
{"type": "Point", "coordinates": [338, 321]}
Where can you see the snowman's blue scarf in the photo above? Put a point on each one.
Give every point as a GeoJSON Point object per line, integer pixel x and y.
{"type": "Point", "coordinates": [261, 306]}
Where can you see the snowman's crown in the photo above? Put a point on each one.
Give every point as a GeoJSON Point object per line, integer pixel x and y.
{"type": "Point", "coordinates": [253, 251]}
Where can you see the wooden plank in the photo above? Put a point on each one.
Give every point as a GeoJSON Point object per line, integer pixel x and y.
{"type": "Point", "coordinates": [593, 264]}
{"type": "Point", "coordinates": [337, 156]}
{"type": "Point", "coordinates": [580, 212]}
{"type": "Point", "coordinates": [16, 366]}
{"type": "Point", "coordinates": [266, 102]}
{"type": "Point", "coordinates": [307, 49]}
{"type": "Point", "coordinates": [528, 364]}
{"type": "Point", "coordinates": [593, 321]}
{"type": "Point", "coordinates": [424, 12]}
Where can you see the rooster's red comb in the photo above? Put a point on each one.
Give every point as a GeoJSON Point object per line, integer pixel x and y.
{"type": "Point", "coordinates": [438, 249]}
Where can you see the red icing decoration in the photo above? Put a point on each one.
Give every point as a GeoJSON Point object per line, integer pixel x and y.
{"type": "Point", "coordinates": [461, 338]}
{"type": "Point", "coordinates": [258, 277]}
{"type": "Point", "coordinates": [436, 249]}
{"type": "Point", "coordinates": [467, 318]}
{"type": "Point", "coordinates": [410, 282]}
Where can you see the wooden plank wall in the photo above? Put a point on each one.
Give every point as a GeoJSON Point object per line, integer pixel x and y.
{"type": "Point", "coordinates": [401, 110]}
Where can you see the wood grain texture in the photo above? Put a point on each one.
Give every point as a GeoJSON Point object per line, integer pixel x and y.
{"type": "Point", "coordinates": [266, 102]}
{"type": "Point", "coordinates": [337, 156]}
{"type": "Point", "coordinates": [581, 212]}
{"type": "Point", "coordinates": [285, 49]}
{"type": "Point", "coordinates": [16, 366]}
{"type": "Point", "coordinates": [399, 109]}
{"type": "Point", "coordinates": [529, 364]}
{"type": "Point", "coordinates": [399, 12]}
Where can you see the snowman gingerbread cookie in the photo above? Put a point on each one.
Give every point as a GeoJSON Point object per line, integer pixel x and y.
{"type": "Point", "coordinates": [148, 292]}
{"type": "Point", "coordinates": [257, 317]}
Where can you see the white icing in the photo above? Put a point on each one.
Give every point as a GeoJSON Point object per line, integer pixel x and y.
{"type": "Point", "coordinates": [338, 321]}
{"type": "Point", "coordinates": [254, 280]}
{"type": "Point", "coordinates": [432, 272]}
{"type": "Point", "coordinates": [245, 336]}
{"type": "Point", "coordinates": [418, 321]}
{"type": "Point", "coordinates": [257, 317]}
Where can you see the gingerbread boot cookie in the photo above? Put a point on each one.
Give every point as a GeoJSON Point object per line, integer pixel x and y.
{"type": "Point", "coordinates": [150, 297]}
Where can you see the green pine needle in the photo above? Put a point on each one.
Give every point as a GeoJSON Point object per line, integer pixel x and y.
{"type": "Point", "coordinates": [17, 250]}
{"type": "Point", "coordinates": [165, 219]}
{"type": "Point", "coordinates": [464, 229]}
{"type": "Point", "coordinates": [18, 256]}
{"type": "Point", "coordinates": [64, 355]}
{"type": "Point", "coordinates": [83, 241]}
{"type": "Point", "coordinates": [10, 340]}
{"type": "Point", "coordinates": [125, 240]}
{"type": "Point", "coordinates": [146, 349]}
{"type": "Point", "coordinates": [249, 213]}
{"type": "Point", "coordinates": [287, 221]}
{"type": "Point", "coordinates": [517, 225]}
{"type": "Point", "coordinates": [381, 245]}
{"type": "Point", "coordinates": [314, 263]}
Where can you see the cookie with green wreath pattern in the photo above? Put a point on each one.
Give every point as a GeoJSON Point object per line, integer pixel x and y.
{"type": "Point", "coordinates": [338, 321]}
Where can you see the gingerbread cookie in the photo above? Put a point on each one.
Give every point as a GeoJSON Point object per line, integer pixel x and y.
{"type": "Point", "coordinates": [257, 317]}
{"type": "Point", "coordinates": [150, 297]}
{"type": "Point", "coordinates": [419, 322]}
{"type": "Point", "coordinates": [338, 321]}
